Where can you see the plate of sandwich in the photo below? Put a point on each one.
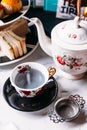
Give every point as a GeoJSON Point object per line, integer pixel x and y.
{"type": "Point", "coordinates": [16, 43]}
{"type": "Point", "coordinates": [11, 10]}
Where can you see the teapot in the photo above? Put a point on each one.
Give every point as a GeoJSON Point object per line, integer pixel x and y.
{"type": "Point", "coordinates": [67, 46]}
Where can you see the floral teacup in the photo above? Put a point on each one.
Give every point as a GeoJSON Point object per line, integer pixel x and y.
{"type": "Point", "coordinates": [29, 78]}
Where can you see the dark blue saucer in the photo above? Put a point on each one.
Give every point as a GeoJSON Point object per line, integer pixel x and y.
{"type": "Point", "coordinates": [30, 104]}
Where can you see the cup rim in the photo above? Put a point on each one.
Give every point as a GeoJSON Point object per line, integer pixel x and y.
{"type": "Point", "coordinates": [46, 75]}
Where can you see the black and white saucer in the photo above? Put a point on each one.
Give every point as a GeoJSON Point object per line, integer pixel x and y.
{"type": "Point", "coordinates": [30, 104]}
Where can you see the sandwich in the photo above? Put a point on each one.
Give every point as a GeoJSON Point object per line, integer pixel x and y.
{"type": "Point", "coordinates": [22, 40]}
{"type": "Point", "coordinates": [12, 45]}
{"type": "Point", "coordinates": [19, 27]}
{"type": "Point", "coordinates": [6, 48]}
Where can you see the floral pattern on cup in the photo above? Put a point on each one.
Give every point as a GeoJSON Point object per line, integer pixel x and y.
{"type": "Point", "coordinates": [32, 93]}
{"type": "Point", "coordinates": [24, 68]}
{"type": "Point", "coordinates": [70, 61]}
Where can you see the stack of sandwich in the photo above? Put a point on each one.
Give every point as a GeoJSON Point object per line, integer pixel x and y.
{"type": "Point", "coordinates": [12, 45]}
{"type": "Point", "coordinates": [13, 40]}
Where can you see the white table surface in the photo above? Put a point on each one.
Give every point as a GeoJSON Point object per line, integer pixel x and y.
{"type": "Point", "coordinates": [40, 120]}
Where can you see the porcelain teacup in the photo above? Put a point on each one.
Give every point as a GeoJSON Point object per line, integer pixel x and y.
{"type": "Point", "coordinates": [29, 78]}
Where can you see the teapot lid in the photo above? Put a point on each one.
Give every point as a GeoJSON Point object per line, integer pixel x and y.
{"type": "Point", "coordinates": [72, 31]}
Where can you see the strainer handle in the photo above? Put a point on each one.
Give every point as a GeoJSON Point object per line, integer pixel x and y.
{"type": "Point", "coordinates": [77, 98]}
{"type": "Point", "coordinates": [54, 117]}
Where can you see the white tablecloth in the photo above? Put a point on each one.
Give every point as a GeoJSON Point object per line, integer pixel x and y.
{"type": "Point", "coordinates": [40, 120]}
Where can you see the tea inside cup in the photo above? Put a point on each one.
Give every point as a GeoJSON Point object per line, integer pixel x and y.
{"type": "Point", "coordinates": [29, 78]}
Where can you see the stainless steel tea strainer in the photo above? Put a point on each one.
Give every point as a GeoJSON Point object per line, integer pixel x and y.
{"type": "Point", "coordinates": [67, 109]}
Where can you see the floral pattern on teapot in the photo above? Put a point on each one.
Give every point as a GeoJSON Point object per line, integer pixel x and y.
{"type": "Point", "coordinates": [71, 62]}
{"type": "Point", "coordinates": [72, 36]}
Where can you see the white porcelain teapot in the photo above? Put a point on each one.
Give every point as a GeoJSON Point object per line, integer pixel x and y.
{"type": "Point", "coordinates": [67, 46]}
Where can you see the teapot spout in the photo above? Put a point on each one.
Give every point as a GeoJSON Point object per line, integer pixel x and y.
{"type": "Point", "coordinates": [44, 40]}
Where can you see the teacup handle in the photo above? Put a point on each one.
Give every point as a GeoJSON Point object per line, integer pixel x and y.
{"type": "Point", "coordinates": [52, 71]}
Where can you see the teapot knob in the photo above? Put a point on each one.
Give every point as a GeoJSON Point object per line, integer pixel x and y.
{"type": "Point", "coordinates": [76, 22]}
